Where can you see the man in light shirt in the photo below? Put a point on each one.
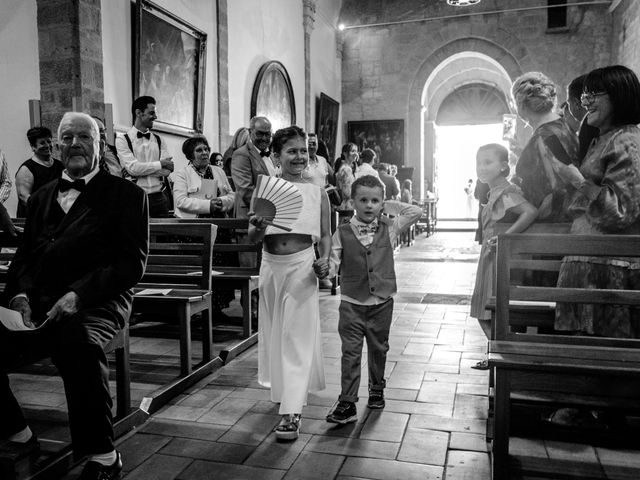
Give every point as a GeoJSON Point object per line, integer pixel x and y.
{"type": "Point", "coordinates": [144, 156]}
{"type": "Point", "coordinates": [367, 157]}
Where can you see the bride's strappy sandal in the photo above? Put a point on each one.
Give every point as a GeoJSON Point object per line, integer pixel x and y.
{"type": "Point", "coordinates": [289, 427]}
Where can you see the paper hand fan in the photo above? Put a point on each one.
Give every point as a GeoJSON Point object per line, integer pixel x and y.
{"type": "Point", "coordinates": [277, 201]}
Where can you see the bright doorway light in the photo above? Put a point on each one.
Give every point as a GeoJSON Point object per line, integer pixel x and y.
{"type": "Point", "coordinates": [455, 161]}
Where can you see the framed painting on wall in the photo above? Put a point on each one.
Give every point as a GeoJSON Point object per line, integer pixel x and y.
{"type": "Point", "coordinates": [328, 111]}
{"type": "Point", "coordinates": [168, 63]}
{"type": "Point", "coordinates": [385, 137]}
{"type": "Point", "coordinates": [272, 96]}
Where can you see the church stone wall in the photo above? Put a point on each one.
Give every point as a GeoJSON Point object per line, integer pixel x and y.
{"type": "Point", "coordinates": [382, 63]}
{"type": "Point", "coordinates": [626, 37]}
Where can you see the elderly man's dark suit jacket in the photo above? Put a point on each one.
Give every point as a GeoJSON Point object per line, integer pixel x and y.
{"type": "Point", "coordinates": [246, 165]}
{"type": "Point", "coordinates": [97, 250]}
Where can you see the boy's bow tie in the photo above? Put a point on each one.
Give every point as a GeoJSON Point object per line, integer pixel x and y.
{"type": "Point", "coordinates": [366, 228]}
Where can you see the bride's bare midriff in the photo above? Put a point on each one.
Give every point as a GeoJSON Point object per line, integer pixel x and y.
{"type": "Point", "coordinates": [286, 243]}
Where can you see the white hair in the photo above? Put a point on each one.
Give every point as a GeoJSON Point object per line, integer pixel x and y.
{"type": "Point", "coordinates": [70, 116]}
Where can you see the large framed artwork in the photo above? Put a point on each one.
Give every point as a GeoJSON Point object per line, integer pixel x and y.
{"type": "Point", "coordinates": [328, 111]}
{"type": "Point", "coordinates": [168, 63]}
{"type": "Point", "coordinates": [272, 96]}
{"type": "Point", "coordinates": [385, 137]}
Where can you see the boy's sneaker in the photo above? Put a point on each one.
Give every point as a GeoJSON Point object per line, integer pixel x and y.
{"type": "Point", "coordinates": [345, 412]}
{"type": "Point", "coordinates": [376, 399]}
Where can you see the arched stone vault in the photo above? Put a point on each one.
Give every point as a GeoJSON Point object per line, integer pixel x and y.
{"type": "Point", "coordinates": [449, 67]}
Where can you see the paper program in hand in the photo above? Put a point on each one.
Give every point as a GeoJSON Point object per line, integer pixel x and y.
{"type": "Point", "coordinates": [12, 320]}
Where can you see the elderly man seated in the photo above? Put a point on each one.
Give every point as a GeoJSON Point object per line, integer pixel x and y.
{"type": "Point", "coordinates": [85, 246]}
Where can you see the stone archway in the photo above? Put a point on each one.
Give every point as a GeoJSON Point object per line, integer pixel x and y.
{"type": "Point", "coordinates": [453, 65]}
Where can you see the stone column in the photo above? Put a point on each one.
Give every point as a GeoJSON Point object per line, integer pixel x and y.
{"type": "Point", "coordinates": [308, 19]}
{"type": "Point", "coordinates": [224, 139]}
{"type": "Point", "coordinates": [70, 47]}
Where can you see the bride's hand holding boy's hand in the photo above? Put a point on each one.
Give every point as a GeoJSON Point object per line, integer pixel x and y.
{"type": "Point", "coordinates": [321, 268]}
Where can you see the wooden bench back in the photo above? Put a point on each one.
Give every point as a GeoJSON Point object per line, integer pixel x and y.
{"type": "Point", "coordinates": [544, 252]}
{"type": "Point", "coordinates": [235, 225]}
{"type": "Point", "coordinates": [8, 245]}
{"type": "Point", "coordinates": [179, 256]}
{"type": "Point", "coordinates": [540, 228]}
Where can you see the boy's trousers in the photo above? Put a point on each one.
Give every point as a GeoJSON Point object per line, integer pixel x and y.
{"type": "Point", "coordinates": [356, 323]}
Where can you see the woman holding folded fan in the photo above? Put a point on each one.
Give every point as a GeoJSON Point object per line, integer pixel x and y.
{"type": "Point", "coordinates": [201, 190]}
{"type": "Point", "coordinates": [289, 338]}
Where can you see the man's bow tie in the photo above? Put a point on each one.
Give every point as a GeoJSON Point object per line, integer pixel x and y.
{"type": "Point", "coordinates": [364, 229]}
{"type": "Point", "coordinates": [265, 153]}
{"type": "Point", "coordinates": [65, 185]}
{"type": "Point", "coordinates": [145, 135]}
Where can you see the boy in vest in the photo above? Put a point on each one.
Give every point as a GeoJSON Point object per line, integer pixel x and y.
{"type": "Point", "coordinates": [363, 249]}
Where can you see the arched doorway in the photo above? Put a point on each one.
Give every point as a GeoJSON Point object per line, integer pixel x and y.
{"type": "Point", "coordinates": [453, 65]}
{"type": "Point", "coordinates": [468, 117]}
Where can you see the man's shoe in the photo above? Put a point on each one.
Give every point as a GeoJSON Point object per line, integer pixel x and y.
{"type": "Point", "coordinates": [376, 400]}
{"type": "Point", "coordinates": [96, 471]}
{"type": "Point", "coordinates": [345, 412]}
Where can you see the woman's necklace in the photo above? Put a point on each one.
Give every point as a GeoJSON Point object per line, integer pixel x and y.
{"type": "Point", "coordinates": [206, 174]}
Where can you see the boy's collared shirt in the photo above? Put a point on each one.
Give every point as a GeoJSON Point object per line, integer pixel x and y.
{"type": "Point", "coordinates": [400, 214]}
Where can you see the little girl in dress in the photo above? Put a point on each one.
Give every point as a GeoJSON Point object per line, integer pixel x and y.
{"type": "Point", "coordinates": [506, 204]}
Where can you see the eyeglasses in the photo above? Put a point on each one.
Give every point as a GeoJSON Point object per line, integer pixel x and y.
{"type": "Point", "coordinates": [589, 97]}
{"type": "Point", "coordinates": [262, 134]}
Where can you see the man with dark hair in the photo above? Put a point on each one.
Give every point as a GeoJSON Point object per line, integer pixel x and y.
{"type": "Point", "coordinates": [390, 184]}
{"type": "Point", "coordinates": [574, 116]}
{"type": "Point", "coordinates": [367, 157]}
{"type": "Point", "coordinates": [84, 248]}
{"type": "Point", "coordinates": [37, 171]}
{"type": "Point", "coordinates": [145, 157]}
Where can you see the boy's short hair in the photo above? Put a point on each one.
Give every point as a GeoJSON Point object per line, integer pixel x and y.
{"type": "Point", "coordinates": [36, 133]}
{"type": "Point", "coordinates": [366, 181]}
{"type": "Point", "coordinates": [500, 151]}
{"type": "Point", "coordinates": [141, 103]}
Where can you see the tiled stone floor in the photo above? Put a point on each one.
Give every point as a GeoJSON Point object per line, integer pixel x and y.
{"type": "Point", "coordinates": [432, 427]}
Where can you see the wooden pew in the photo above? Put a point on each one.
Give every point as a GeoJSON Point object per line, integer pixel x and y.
{"type": "Point", "coordinates": [554, 369]}
{"type": "Point", "coordinates": [180, 261]}
{"type": "Point", "coordinates": [244, 279]}
{"type": "Point", "coordinates": [529, 314]}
